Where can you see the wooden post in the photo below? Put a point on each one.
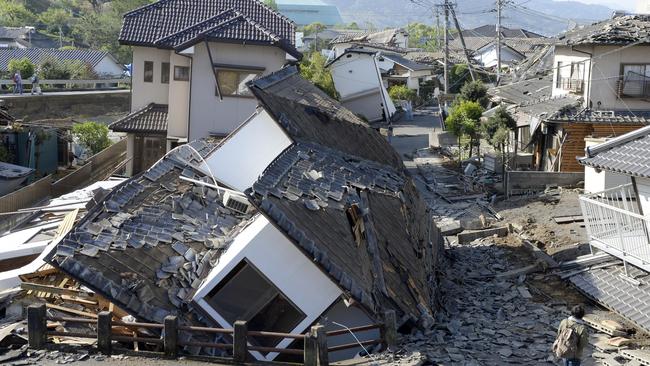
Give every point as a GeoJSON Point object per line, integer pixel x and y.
{"type": "Point", "coordinates": [390, 330]}
{"type": "Point", "coordinates": [170, 341]}
{"type": "Point", "coordinates": [104, 330]}
{"type": "Point", "coordinates": [311, 349]}
{"type": "Point", "coordinates": [318, 332]}
{"type": "Point", "coordinates": [240, 344]}
{"type": "Point", "coordinates": [37, 326]}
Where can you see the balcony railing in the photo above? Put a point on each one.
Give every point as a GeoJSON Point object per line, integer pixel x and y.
{"type": "Point", "coordinates": [615, 225]}
{"type": "Point", "coordinates": [573, 85]}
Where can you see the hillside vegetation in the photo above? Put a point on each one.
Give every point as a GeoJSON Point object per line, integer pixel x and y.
{"type": "Point", "coordinates": [89, 23]}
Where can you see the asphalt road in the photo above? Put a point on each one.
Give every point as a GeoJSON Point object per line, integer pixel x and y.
{"type": "Point", "coordinates": [409, 136]}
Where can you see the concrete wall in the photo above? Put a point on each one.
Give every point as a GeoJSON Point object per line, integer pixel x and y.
{"type": "Point", "coordinates": [295, 275]}
{"type": "Point", "coordinates": [154, 92]}
{"type": "Point", "coordinates": [531, 181]}
{"type": "Point", "coordinates": [179, 95]}
{"type": "Point", "coordinates": [53, 106]}
{"type": "Point", "coordinates": [209, 114]}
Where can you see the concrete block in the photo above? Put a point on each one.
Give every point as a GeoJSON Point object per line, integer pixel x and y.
{"type": "Point", "coordinates": [468, 237]}
{"type": "Point", "coordinates": [442, 139]}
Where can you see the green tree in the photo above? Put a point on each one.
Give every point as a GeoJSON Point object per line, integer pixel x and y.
{"type": "Point", "coordinates": [56, 20]}
{"type": "Point", "coordinates": [53, 68]}
{"type": "Point", "coordinates": [464, 120]}
{"type": "Point", "coordinates": [353, 25]}
{"type": "Point", "coordinates": [475, 91]}
{"type": "Point", "coordinates": [92, 136]}
{"type": "Point", "coordinates": [271, 4]}
{"type": "Point", "coordinates": [24, 65]}
{"type": "Point", "coordinates": [313, 69]}
{"type": "Point", "coordinates": [423, 36]}
{"type": "Point", "coordinates": [15, 14]}
{"type": "Point", "coordinates": [402, 92]}
{"type": "Point", "coordinates": [497, 131]}
{"type": "Point", "coordinates": [80, 70]}
{"type": "Point", "coordinates": [458, 76]}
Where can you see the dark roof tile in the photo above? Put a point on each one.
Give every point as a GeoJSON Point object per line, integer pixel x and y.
{"type": "Point", "coordinates": [627, 154]}
{"type": "Point", "coordinates": [150, 119]}
{"type": "Point", "coordinates": [36, 55]}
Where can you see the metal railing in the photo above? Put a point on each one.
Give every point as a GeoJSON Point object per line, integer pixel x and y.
{"type": "Point", "coordinates": [314, 353]}
{"type": "Point", "coordinates": [573, 85]}
{"type": "Point", "coordinates": [615, 224]}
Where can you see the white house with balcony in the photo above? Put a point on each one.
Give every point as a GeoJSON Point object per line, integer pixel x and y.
{"type": "Point", "coordinates": [618, 219]}
{"type": "Point", "coordinates": [191, 63]}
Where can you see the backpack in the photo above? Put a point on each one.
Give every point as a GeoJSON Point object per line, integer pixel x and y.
{"type": "Point", "coordinates": [566, 343]}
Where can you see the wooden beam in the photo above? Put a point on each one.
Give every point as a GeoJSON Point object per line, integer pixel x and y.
{"type": "Point", "coordinates": [71, 311]}
{"type": "Point", "coordinates": [53, 290]}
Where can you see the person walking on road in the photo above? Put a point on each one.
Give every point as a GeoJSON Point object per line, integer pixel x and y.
{"type": "Point", "coordinates": [572, 338]}
{"type": "Point", "coordinates": [36, 88]}
{"type": "Point", "coordinates": [18, 82]}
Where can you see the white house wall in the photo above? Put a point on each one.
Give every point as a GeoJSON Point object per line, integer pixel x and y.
{"type": "Point", "coordinates": [145, 93]}
{"type": "Point", "coordinates": [604, 86]}
{"type": "Point", "coordinates": [179, 96]}
{"type": "Point", "coordinates": [599, 181]}
{"type": "Point", "coordinates": [108, 67]}
{"type": "Point", "coordinates": [253, 146]}
{"type": "Point", "coordinates": [488, 57]}
{"type": "Point", "coordinates": [355, 73]}
{"type": "Point", "coordinates": [643, 189]}
{"type": "Point", "coordinates": [297, 277]}
{"type": "Point", "coordinates": [210, 115]}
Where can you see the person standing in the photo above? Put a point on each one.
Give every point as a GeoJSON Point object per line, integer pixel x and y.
{"type": "Point", "coordinates": [572, 338]}
{"type": "Point", "coordinates": [18, 80]}
{"type": "Point", "coordinates": [36, 88]}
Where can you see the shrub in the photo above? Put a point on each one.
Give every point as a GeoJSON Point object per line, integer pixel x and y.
{"type": "Point", "coordinates": [52, 68]}
{"type": "Point", "coordinates": [402, 92]}
{"type": "Point", "coordinates": [24, 65]}
{"type": "Point", "coordinates": [92, 135]}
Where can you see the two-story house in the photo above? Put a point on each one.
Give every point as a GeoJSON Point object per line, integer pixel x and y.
{"type": "Point", "coordinates": [191, 61]}
{"type": "Point", "coordinates": [600, 89]}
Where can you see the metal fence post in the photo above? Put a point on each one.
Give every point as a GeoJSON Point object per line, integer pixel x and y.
{"type": "Point", "coordinates": [240, 341]}
{"type": "Point", "coordinates": [390, 330]}
{"type": "Point", "coordinates": [318, 332]}
{"type": "Point", "coordinates": [37, 326]}
{"type": "Point", "coordinates": [104, 330]}
{"type": "Point", "coordinates": [170, 341]}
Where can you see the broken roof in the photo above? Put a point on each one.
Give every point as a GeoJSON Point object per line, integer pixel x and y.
{"type": "Point", "coordinates": [386, 37]}
{"type": "Point", "coordinates": [490, 30]}
{"type": "Point", "coordinates": [526, 91]}
{"type": "Point", "coordinates": [627, 154]}
{"type": "Point", "coordinates": [181, 23]}
{"type": "Point", "coordinates": [148, 245]}
{"type": "Point", "coordinates": [309, 115]}
{"type": "Point", "coordinates": [578, 115]}
{"type": "Point", "coordinates": [149, 119]}
{"type": "Point", "coordinates": [622, 30]}
{"type": "Point", "coordinates": [337, 171]}
{"type": "Point", "coordinates": [409, 64]}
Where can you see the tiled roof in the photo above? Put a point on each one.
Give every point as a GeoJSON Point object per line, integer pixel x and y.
{"type": "Point", "coordinates": [627, 154]}
{"type": "Point", "coordinates": [409, 64]}
{"type": "Point", "coordinates": [308, 191]}
{"type": "Point", "coordinates": [338, 161]}
{"type": "Point", "coordinates": [308, 114]}
{"type": "Point", "coordinates": [549, 107]}
{"type": "Point", "coordinates": [490, 30]}
{"type": "Point", "coordinates": [576, 115]}
{"type": "Point", "coordinates": [386, 37]}
{"type": "Point", "coordinates": [525, 46]}
{"type": "Point", "coordinates": [616, 31]}
{"type": "Point", "coordinates": [150, 119]}
{"type": "Point", "coordinates": [165, 18]}
{"type": "Point", "coordinates": [151, 242]}
{"type": "Point", "coordinates": [35, 55]}
{"type": "Point", "coordinates": [526, 91]}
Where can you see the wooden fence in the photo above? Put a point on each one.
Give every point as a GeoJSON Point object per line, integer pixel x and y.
{"type": "Point", "coordinates": [315, 351]}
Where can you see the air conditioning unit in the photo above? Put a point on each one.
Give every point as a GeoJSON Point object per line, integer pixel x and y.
{"type": "Point", "coordinates": [236, 203]}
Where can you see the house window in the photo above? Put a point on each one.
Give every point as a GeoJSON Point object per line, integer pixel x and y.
{"type": "Point", "coordinates": [233, 82]}
{"type": "Point", "coordinates": [571, 76]}
{"type": "Point", "coordinates": [148, 71]}
{"type": "Point", "coordinates": [246, 294]}
{"type": "Point", "coordinates": [181, 73]}
{"type": "Point", "coordinates": [636, 80]}
{"type": "Point", "coordinates": [164, 73]}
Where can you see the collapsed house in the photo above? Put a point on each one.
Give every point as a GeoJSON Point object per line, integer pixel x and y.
{"type": "Point", "coordinates": [617, 222]}
{"type": "Point", "coordinates": [357, 78]}
{"type": "Point", "coordinates": [330, 230]}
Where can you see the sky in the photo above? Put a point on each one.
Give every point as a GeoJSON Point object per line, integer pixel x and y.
{"type": "Point", "coordinates": [614, 4]}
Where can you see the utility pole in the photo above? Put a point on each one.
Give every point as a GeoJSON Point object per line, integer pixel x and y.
{"type": "Point", "coordinates": [438, 36]}
{"type": "Point", "coordinates": [462, 42]}
{"type": "Point", "coordinates": [446, 5]}
{"type": "Point", "coordinates": [498, 41]}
